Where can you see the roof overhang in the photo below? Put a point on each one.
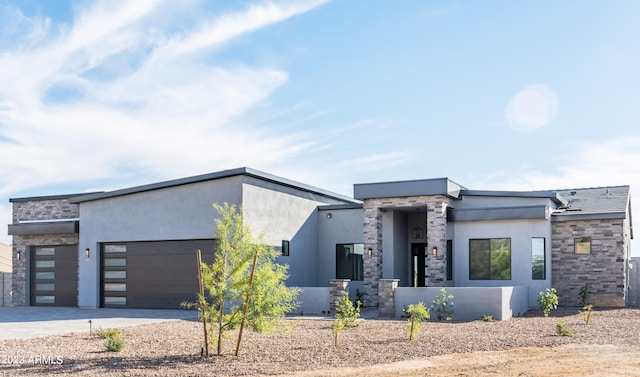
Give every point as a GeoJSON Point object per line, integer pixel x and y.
{"type": "Point", "coordinates": [552, 195]}
{"type": "Point", "coordinates": [45, 227]}
{"type": "Point", "coordinates": [398, 189]}
{"type": "Point", "coordinates": [536, 212]}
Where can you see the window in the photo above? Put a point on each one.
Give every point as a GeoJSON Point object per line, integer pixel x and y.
{"type": "Point", "coordinates": [349, 261]}
{"type": "Point", "coordinates": [582, 245]}
{"type": "Point", "coordinates": [449, 259]}
{"type": "Point", "coordinates": [490, 259]}
{"type": "Point", "coordinates": [285, 248]}
{"type": "Point", "coordinates": [538, 259]}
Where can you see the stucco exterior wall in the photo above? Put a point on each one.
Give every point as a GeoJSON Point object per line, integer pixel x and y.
{"type": "Point", "coordinates": [336, 226]}
{"type": "Point", "coordinates": [520, 232]}
{"type": "Point", "coordinates": [173, 213]}
{"type": "Point", "coordinates": [603, 268]}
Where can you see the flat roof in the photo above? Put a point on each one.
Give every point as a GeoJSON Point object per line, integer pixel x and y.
{"type": "Point", "coordinates": [433, 186]}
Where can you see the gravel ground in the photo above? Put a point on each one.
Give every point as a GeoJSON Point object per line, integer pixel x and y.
{"type": "Point", "coordinates": [173, 348]}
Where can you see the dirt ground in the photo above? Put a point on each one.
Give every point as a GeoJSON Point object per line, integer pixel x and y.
{"type": "Point", "coordinates": [563, 361]}
{"type": "Point", "coordinates": [523, 346]}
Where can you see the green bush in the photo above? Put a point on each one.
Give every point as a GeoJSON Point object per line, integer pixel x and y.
{"type": "Point", "coordinates": [114, 343]}
{"type": "Point", "coordinates": [416, 313]}
{"type": "Point", "coordinates": [443, 305]}
{"type": "Point", "coordinates": [346, 311]}
{"type": "Point", "coordinates": [336, 329]}
{"type": "Point", "coordinates": [585, 291]}
{"type": "Point", "coordinates": [548, 300]}
{"type": "Point", "coordinates": [107, 333]}
{"type": "Point", "coordinates": [562, 329]}
{"type": "Point", "coordinates": [487, 318]}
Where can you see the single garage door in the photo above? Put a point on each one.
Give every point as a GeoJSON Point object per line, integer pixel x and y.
{"type": "Point", "coordinates": [152, 275]}
{"type": "Point", "coordinates": [54, 275]}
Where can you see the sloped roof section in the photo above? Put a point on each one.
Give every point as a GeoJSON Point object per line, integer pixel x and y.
{"type": "Point", "coordinates": [213, 176]}
{"type": "Point", "coordinates": [596, 202]}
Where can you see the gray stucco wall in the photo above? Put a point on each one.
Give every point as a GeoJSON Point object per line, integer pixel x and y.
{"type": "Point", "coordinates": [336, 226]}
{"type": "Point", "coordinates": [174, 213]}
{"type": "Point", "coordinates": [520, 232]}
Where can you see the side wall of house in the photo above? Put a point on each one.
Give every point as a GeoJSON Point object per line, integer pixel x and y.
{"type": "Point", "coordinates": [50, 209]}
{"type": "Point", "coordinates": [337, 226]}
{"type": "Point", "coordinates": [603, 268]}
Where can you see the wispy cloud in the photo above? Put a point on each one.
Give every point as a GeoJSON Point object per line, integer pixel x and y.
{"type": "Point", "coordinates": [115, 89]}
{"type": "Point", "coordinates": [586, 163]}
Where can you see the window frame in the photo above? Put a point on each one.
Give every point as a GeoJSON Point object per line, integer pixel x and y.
{"type": "Point", "coordinates": [357, 272]}
{"type": "Point", "coordinates": [286, 244]}
{"type": "Point", "coordinates": [449, 260]}
{"type": "Point", "coordinates": [544, 259]}
{"type": "Point", "coordinates": [582, 240]}
{"type": "Point", "coordinates": [491, 253]}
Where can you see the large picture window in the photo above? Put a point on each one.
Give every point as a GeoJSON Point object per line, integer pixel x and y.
{"type": "Point", "coordinates": [490, 259]}
{"type": "Point", "coordinates": [349, 261]}
{"type": "Point", "coordinates": [538, 260]}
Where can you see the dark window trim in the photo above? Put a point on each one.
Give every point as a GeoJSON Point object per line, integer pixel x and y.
{"type": "Point", "coordinates": [285, 248]}
{"type": "Point", "coordinates": [490, 272]}
{"type": "Point", "coordinates": [578, 240]}
{"type": "Point", "coordinates": [449, 260]}
{"type": "Point", "coordinates": [544, 259]}
{"type": "Point", "coordinates": [354, 269]}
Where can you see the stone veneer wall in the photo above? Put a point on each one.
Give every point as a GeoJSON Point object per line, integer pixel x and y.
{"type": "Point", "coordinates": [603, 269]}
{"type": "Point", "coordinates": [336, 287]}
{"type": "Point", "coordinates": [372, 236]}
{"type": "Point", "coordinates": [49, 209]}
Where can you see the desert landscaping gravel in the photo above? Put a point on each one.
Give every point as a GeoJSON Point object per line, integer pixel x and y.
{"type": "Point", "coordinates": [173, 348]}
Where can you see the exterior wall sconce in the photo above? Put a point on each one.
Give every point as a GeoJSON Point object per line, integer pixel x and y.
{"type": "Point", "coordinates": [434, 252]}
{"type": "Point", "coordinates": [87, 253]}
{"type": "Point", "coordinates": [369, 252]}
{"type": "Point", "coordinates": [328, 215]}
{"type": "Point", "coordinates": [18, 256]}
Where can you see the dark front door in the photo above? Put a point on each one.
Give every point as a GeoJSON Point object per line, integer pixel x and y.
{"type": "Point", "coordinates": [54, 275]}
{"type": "Point", "coordinates": [418, 265]}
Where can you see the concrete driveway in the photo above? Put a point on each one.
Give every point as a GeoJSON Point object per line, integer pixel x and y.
{"type": "Point", "coordinates": [30, 322]}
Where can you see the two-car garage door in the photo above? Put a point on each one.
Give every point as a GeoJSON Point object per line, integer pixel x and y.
{"type": "Point", "coordinates": [151, 275]}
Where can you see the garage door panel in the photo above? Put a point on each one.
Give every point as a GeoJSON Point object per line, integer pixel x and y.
{"type": "Point", "coordinates": [159, 274]}
{"type": "Point", "coordinates": [54, 274]}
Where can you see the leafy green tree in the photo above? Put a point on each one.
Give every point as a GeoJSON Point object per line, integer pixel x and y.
{"type": "Point", "coordinates": [226, 280]}
{"type": "Point", "coordinates": [416, 313]}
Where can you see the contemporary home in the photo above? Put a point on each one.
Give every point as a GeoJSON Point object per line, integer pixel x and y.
{"type": "Point", "coordinates": [136, 247]}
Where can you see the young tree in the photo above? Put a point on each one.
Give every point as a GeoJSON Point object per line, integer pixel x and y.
{"type": "Point", "coordinates": [226, 280]}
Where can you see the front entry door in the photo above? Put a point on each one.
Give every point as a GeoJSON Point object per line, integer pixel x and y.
{"type": "Point", "coordinates": [418, 265]}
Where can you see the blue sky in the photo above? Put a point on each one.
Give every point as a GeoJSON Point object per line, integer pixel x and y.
{"type": "Point", "coordinates": [493, 94]}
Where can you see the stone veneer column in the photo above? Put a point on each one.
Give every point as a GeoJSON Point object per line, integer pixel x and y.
{"type": "Point", "coordinates": [372, 237]}
{"type": "Point", "coordinates": [386, 297]}
{"type": "Point", "coordinates": [437, 237]}
{"type": "Point", "coordinates": [336, 287]}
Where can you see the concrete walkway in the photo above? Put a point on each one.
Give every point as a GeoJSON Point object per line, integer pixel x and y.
{"type": "Point", "coordinates": [31, 322]}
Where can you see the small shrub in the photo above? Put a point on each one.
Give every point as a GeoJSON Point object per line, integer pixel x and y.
{"type": "Point", "coordinates": [548, 300]}
{"type": "Point", "coordinates": [587, 314]}
{"type": "Point", "coordinates": [346, 311]}
{"type": "Point", "coordinates": [107, 333]}
{"type": "Point", "coordinates": [487, 318]}
{"type": "Point", "coordinates": [585, 291]}
{"type": "Point", "coordinates": [416, 313]}
{"type": "Point", "coordinates": [443, 305]}
{"type": "Point", "coordinates": [114, 343]}
{"type": "Point", "coordinates": [562, 329]}
{"type": "Point", "coordinates": [187, 305]}
{"type": "Point", "coordinates": [336, 329]}
{"type": "Point", "coordinates": [359, 298]}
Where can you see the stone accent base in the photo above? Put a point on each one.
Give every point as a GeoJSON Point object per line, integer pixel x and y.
{"type": "Point", "coordinates": [336, 287]}
{"type": "Point", "coordinates": [386, 299]}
